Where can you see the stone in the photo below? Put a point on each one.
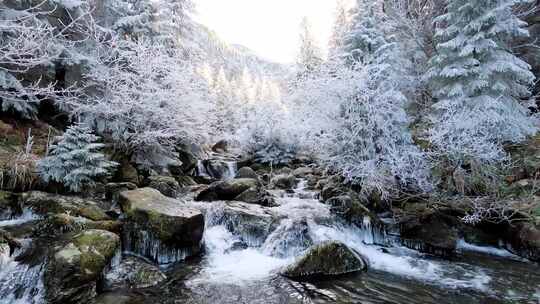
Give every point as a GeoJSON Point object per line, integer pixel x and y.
{"type": "Point", "coordinates": [128, 173]}
{"type": "Point", "coordinates": [160, 228]}
{"type": "Point", "coordinates": [112, 190]}
{"type": "Point", "coordinates": [227, 190]}
{"type": "Point", "coordinates": [524, 240]}
{"type": "Point", "coordinates": [432, 233]}
{"type": "Point", "coordinates": [131, 273]}
{"type": "Point", "coordinates": [221, 146]}
{"type": "Point", "coordinates": [58, 224]}
{"type": "Point", "coordinates": [256, 196]}
{"type": "Point", "coordinates": [167, 185]}
{"type": "Point", "coordinates": [251, 223]}
{"type": "Point", "coordinates": [327, 259]}
{"type": "Point", "coordinates": [302, 172]}
{"type": "Point", "coordinates": [284, 181]}
{"type": "Point", "coordinates": [352, 210]}
{"type": "Point", "coordinates": [246, 172]}
{"type": "Point", "coordinates": [72, 271]}
{"type": "Point", "coordinates": [43, 203]}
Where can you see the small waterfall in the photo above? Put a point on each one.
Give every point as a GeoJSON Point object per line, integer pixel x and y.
{"type": "Point", "coordinates": [217, 169]}
{"type": "Point", "coordinates": [20, 283]}
{"type": "Point", "coordinates": [201, 169]}
{"type": "Point", "coordinates": [304, 221]}
{"type": "Point", "coordinates": [231, 170]}
{"type": "Point", "coordinates": [26, 216]}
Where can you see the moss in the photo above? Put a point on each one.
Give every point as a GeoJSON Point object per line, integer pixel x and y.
{"type": "Point", "coordinates": [97, 248]}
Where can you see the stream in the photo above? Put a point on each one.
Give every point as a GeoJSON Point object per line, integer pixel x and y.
{"type": "Point", "coordinates": [238, 267]}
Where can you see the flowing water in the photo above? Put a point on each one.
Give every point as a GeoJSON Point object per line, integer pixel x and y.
{"type": "Point", "coordinates": [241, 268]}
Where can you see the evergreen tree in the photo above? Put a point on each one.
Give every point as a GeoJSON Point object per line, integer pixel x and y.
{"type": "Point", "coordinates": [310, 55]}
{"type": "Point", "coordinates": [339, 30]}
{"type": "Point", "coordinates": [478, 81]}
{"type": "Point", "coordinates": [75, 161]}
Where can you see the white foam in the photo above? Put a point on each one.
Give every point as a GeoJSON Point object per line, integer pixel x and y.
{"type": "Point", "coordinates": [25, 217]}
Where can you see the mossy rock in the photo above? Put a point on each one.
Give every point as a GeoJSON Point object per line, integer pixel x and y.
{"type": "Point", "coordinates": [151, 215]}
{"type": "Point", "coordinates": [227, 190]}
{"type": "Point", "coordinates": [133, 273]}
{"type": "Point", "coordinates": [327, 259]}
{"type": "Point", "coordinates": [72, 271]}
{"type": "Point", "coordinates": [44, 203]}
{"type": "Point", "coordinates": [58, 224]}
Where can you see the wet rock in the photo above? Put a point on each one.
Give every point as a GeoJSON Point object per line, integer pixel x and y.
{"type": "Point", "coordinates": [221, 146]}
{"type": "Point", "coordinates": [9, 207]}
{"type": "Point", "coordinates": [167, 185]}
{"type": "Point", "coordinates": [433, 233]}
{"type": "Point", "coordinates": [284, 181]}
{"type": "Point", "coordinates": [349, 208]}
{"type": "Point", "coordinates": [8, 244]}
{"type": "Point", "coordinates": [185, 181]}
{"type": "Point", "coordinates": [227, 190]}
{"type": "Point", "coordinates": [72, 271]}
{"type": "Point", "coordinates": [58, 224]}
{"type": "Point", "coordinates": [246, 172]}
{"type": "Point", "coordinates": [524, 240]}
{"type": "Point", "coordinates": [289, 239]}
{"type": "Point", "coordinates": [326, 259]}
{"type": "Point", "coordinates": [160, 228]}
{"type": "Point", "coordinates": [302, 172]}
{"type": "Point", "coordinates": [256, 196]}
{"type": "Point", "coordinates": [252, 223]}
{"type": "Point", "coordinates": [131, 273]}
{"type": "Point", "coordinates": [44, 203]}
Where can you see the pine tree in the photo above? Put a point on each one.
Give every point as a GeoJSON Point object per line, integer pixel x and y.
{"type": "Point", "coordinates": [75, 161]}
{"type": "Point", "coordinates": [478, 81]}
{"type": "Point", "coordinates": [341, 25]}
{"type": "Point", "coordinates": [310, 55]}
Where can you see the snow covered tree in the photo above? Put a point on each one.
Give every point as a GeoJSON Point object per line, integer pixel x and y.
{"type": "Point", "coordinates": [75, 161]}
{"type": "Point", "coordinates": [373, 146]}
{"type": "Point", "coordinates": [478, 81]}
{"type": "Point", "coordinates": [340, 27]}
{"type": "Point", "coordinates": [310, 55]}
{"type": "Point", "coordinates": [29, 45]}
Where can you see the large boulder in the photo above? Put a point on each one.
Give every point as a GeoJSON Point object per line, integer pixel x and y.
{"type": "Point", "coordinates": [58, 224]}
{"type": "Point", "coordinates": [160, 228]}
{"type": "Point", "coordinates": [167, 185]}
{"type": "Point", "coordinates": [132, 272]}
{"type": "Point", "coordinates": [326, 259]}
{"type": "Point", "coordinates": [44, 203]}
{"type": "Point", "coordinates": [431, 232]}
{"type": "Point", "coordinates": [303, 172]}
{"type": "Point", "coordinates": [256, 196]}
{"type": "Point", "coordinates": [72, 271]}
{"type": "Point", "coordinates": [227, 190]}
{"type": "Point", "coordinates": [524, 240]}
{"type": "Point", "coordinates": [251, 223]}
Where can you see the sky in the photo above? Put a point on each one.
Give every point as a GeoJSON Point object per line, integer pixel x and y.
{"type": "Point", "coordinates": [268, 27]}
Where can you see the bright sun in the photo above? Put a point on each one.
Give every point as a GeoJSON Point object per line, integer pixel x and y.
{"type": "Point", "coordinates": [268, 27]}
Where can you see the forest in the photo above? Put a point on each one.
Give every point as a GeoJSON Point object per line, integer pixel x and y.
{"type": "Point", "coordinates": [145, 159]}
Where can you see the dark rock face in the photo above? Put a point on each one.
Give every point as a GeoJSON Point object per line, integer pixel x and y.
{"type": "Point", "coordinates": [326, 259]}
{"type": "Point", "coordinates": [133, 272]}
{"type": "Point", "coordinates": [128, 173]}
{"type": "Point", "coordinates": [227, 190]}
{"type": "Point", "coordinates": [524, 240]}
{"type": "Point", "coordinates": [112, 190]}
{"type": "Point", "coordinates": [256, 196]}
{"type": "Point", "coordinates": [44, 203]}
{"type": "Point", "coordinates": [73, 269]}
{"type": "Point", "coordinates": [160, 228]}
{"type": "Point", "coordinates": [246, 172]}
{"type": "Point", "coordinates": [167, 185]}
{"type": "Point", "coordinates": [221, 146]}
{"type": "Point", "coordinates": [433, 233]}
